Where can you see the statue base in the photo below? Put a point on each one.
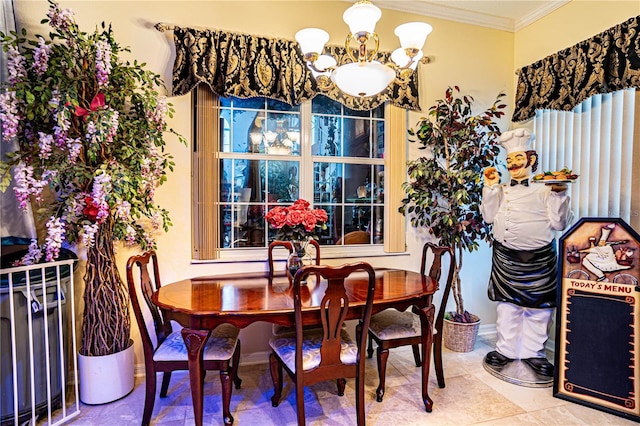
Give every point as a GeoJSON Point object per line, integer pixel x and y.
{"type": "Point", "coordinates": [519, 373]}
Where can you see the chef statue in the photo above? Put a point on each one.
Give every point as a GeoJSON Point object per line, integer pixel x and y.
{"type": "Point", "coordinates": [524, 265]}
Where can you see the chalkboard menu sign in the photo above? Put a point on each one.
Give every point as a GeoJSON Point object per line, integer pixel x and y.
{"type": "Point", "coordinates": [598, 317]}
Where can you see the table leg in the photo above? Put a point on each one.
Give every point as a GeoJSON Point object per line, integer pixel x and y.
{"type": "Point", "coordinates": [426, 315]}
{"type": "Point", "coordinates": [195, 341]}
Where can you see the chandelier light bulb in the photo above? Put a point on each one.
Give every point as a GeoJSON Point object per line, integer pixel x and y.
{"type": "Point", "coordinates": [270, 136]}
{"type": "Point", "coordinates": [293, 135]}
{"type": "Point", "coordinates": [413, 35]}
{"type": "Point", "coordinates": [362, 17]}
{"type": "Point", "coordinates": [312, 40]}
{"type": "Point", "coordinates": [256, 138]}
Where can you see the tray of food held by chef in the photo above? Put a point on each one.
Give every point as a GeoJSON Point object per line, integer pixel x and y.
{"type": "Point", "coordinates": [562, 176]}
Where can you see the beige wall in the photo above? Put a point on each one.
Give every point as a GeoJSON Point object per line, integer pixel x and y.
{"type": "Point", "coordinates": [479, 60]}
{"type": "Point", "coordinates": [568, 25]}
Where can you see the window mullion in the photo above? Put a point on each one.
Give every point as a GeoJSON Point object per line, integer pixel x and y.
{"type": "Point", "coordinates": [306, 159]}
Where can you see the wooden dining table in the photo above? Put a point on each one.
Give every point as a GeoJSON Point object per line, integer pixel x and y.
{"type": "Point", "coordinates": [200, 304]}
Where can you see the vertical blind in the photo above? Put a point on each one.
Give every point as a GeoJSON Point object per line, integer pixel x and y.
{"type": "Point", "coordinates": [596, 141]}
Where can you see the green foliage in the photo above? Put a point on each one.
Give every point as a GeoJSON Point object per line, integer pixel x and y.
{"type": "Point", "coordinates": [445, 187]}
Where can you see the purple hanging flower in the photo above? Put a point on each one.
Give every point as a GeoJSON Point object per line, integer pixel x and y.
{"type": "Point", "coordinates": [157, 115]}
{"type": "Point", "coordinates": [41, 57]}
{"type": "Point", "coordinates": [15, 66]}
{"type": "Point", "coordinates": [9, 115]}
{"type": "Point", "coordinates": [88, 233]}
{"type": "Point", "coordinates": [103, 62]}
{"type": "Point", "coordinates": [34, 254]}
{"type": "Point", "coordinates": [55, 236]}
{"type": "Point", "coordinates": [46, 145]}
{"type": "Point", "coordinates": [74, 146]}
{"type": "Point", "coordinates": [22, 175]}
{"type": "Point", "coordinates": [60, 18]}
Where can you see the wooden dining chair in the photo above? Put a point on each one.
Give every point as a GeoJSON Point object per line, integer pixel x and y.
{"type": "Point", "coordinates": [391, 328]}
{"type": "Point", "coordinates": [277, 328]}
{"type": "Point", "coordinates": [355, 237]}
{"type": "Point", "coordinates": [315, 355]}
{"type": "Point", "coordinates": [287, 244]}
{"type": "Point", "coordinates": [222, 350]}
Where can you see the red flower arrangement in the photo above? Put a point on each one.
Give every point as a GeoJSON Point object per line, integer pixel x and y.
{"type": "Point", "coordinates": [298, 221]}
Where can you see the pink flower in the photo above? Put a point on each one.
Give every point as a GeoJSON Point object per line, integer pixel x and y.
{"type": "Point", "coordinates": [277, 217]}
{"type": "Point", "coordinates": [300, 204]}
{"type": "Point", "coordinates": [295, 217]}
{"type": "Point", "coordinates": [321, 215]}
{"type": "Point", "coordinates": [298, 221]}
{"type": "Point", "coordinates": [309, 221]}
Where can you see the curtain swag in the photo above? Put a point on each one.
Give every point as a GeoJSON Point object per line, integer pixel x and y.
{"type": "Point", "coordinates": [605, 63]}
{"type": "Point", "coordinates": [247, 66]}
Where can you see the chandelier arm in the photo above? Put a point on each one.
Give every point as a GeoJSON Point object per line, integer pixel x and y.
{"type": "Point", "coordinates": [347, 45]}
{"type": "Point", "coordinates": [373, 53]}
{"type": "Point", "coordinates": [324, 83]}
{"type": "Point", "coordinates": [312, 65]}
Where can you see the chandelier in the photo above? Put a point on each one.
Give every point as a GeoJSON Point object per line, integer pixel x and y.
{"type": "Point", "coordinates": [364, 76]}
{"type": "Point", "coordinates": [279, 142]}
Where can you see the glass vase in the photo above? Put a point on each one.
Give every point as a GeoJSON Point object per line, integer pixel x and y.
{"type": "Point", "coordinates": [298, 258]}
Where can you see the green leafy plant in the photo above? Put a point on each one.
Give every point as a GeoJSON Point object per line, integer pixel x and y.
{"type": "Point", "coordinates": [444, 189]}
{"type": "Point", "coordinates": [90, 129]}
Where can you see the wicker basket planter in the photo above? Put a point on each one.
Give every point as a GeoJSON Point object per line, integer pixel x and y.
{"type": "Point", "coordinates": [460, 336]}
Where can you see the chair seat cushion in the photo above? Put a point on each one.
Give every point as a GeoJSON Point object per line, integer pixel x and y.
{"type": "Point", "coordinates": [391, 324]}
{"type": "Point", "coordinates": [285, 347]}
{"type": "Point", "coordinates": [220, 345]}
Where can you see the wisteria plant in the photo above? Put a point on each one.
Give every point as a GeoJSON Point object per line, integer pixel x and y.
{"type": "Point", "coordinates": [90, 130]}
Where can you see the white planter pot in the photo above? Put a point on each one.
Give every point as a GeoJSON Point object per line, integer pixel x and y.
{"type": "Point", "coordinates": [106, 378]}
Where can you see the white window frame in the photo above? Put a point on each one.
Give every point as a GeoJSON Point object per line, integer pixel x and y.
{"type": "Point", "coordinates": [202, 165]}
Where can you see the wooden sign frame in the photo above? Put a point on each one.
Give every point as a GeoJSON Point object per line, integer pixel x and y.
{"type": "Point", "coordinates": [598, 317]}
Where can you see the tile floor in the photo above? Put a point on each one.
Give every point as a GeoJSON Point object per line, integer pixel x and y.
{"type": "Point", "coordinates": [471, 397]}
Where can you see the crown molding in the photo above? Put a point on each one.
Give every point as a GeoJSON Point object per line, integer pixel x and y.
{"type": "Point", "coordinates": [451, 13]}
{"type": "Point", "coordinates": [422, 7]}
{"type": "Point", "coordinates": [539, 13]}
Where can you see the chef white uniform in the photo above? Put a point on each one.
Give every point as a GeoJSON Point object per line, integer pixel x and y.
{"type": "Point", "coordinates": [523, 280]}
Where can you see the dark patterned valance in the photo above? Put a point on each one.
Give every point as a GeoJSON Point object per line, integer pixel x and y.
{"type": "Point", "coordinates": [246, 66]}
{"type": "Point", "coordinates": [607, 62]}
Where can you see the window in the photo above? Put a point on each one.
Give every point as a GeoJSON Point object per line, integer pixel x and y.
{"type": "Point", "coordinates": [253, 154]}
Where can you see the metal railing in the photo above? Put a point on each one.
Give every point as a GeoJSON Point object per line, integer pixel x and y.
{"type": "Point", "coordinates": [38, 291]}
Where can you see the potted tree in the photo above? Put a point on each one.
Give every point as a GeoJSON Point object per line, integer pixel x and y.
{"type": "Point", "coordinates": [444, 189]}
{"type": "Point", "coordinates": [90, 131]}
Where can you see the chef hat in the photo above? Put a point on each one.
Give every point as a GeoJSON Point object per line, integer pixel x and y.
{"type": "Point", "coordinates": [516, 140]}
